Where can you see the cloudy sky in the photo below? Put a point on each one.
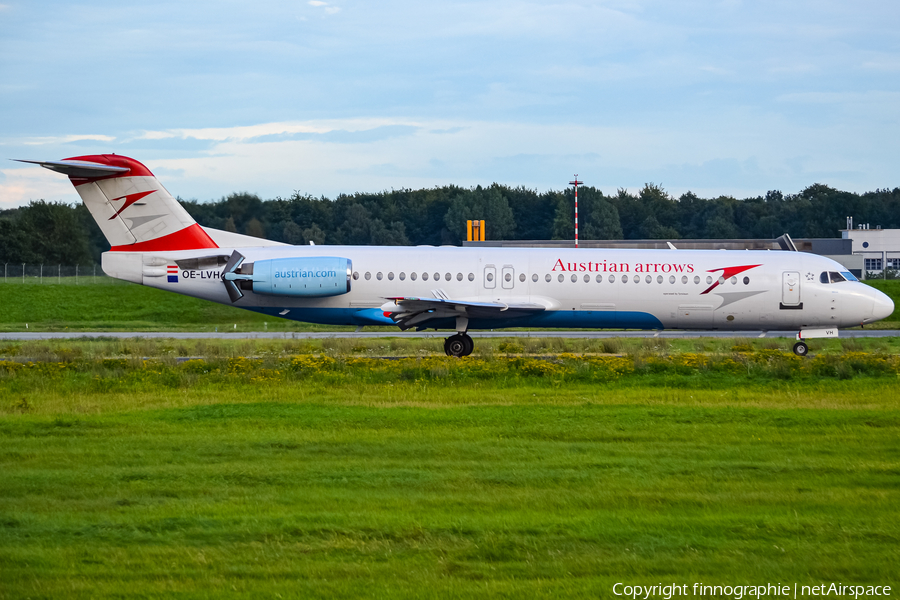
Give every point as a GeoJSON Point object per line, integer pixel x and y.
{"type": "Point", "coordinates": [342, 96]}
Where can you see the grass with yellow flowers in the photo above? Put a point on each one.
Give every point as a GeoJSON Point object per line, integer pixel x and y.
{"type": "Point", "coordinates": [324, 473]}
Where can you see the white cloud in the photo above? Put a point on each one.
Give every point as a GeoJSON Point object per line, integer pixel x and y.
{"type": "Point", "coordinates": [317, 3]}
{"type": "Point", "coordinates": [64, 139]}
{"type": "Point", "coordinates": [21, 185]}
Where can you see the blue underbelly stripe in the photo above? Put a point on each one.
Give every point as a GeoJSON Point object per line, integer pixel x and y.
{"type": "Point", "coordinates": [558, 319]}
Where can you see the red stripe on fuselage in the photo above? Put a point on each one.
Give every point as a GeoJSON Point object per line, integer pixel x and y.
{"type": "Point", "coordinates": [189, 238]}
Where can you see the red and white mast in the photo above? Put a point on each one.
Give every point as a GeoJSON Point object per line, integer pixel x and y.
{"type": "Point", "coordinates": [576, 183]}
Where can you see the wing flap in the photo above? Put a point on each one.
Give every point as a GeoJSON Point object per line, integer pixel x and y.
{"type": "Point", "coordinates": [408, 312]}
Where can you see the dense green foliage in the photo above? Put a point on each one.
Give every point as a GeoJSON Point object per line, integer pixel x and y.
{"type": "Point", "coordinates": [54, 233]}
{"type": "Point", "coordinates": [335, 478]}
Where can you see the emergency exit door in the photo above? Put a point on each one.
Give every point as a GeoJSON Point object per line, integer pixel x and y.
{"type": "Point", "coordinates": [508, 280]}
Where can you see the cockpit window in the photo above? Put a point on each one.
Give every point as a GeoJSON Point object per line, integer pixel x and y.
{"type": "Point", "coordinates": [835, 277]}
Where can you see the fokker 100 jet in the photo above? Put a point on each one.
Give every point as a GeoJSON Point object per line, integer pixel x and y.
{"type": "Point", "coordinates": [155, 242]}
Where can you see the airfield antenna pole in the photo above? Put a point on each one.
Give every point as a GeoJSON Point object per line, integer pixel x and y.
{"type": "Point", "coordinates": [41, 280]}
{"type": "Point", "coordinates": [23, 272]}
{"type": "Point", "coordinates": [59, 273]}
{"type": "Point", "coordinates": [576, 183]}
{"type": "Point", "coordinates": [4, 272]}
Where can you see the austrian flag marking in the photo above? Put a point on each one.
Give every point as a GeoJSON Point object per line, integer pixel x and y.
{"type": "Point", "coordinates": [172, 271]}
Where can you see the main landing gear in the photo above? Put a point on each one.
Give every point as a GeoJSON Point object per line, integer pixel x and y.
{"type": "Point", "coordinates": [801, 349]}
{"type": "Point", "coordinates": [459, 345]}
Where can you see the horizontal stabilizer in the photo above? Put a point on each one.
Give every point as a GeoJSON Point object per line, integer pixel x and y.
{"type": "Point", "coordinates": [78, 168]}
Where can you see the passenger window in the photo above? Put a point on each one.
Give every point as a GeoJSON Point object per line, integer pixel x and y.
{"type": "Point", "coordinates": [612, 278]}
{"type": "Point", "coordinates": [437, 276]}
{"type": "Point", "coordinates": [560, 277]}
{"type": "Point", "coordinates": [684, 279]}
{"type": "Point", "coordinates": [391, 276]}
{"type": "Point", "coordinates": [696, 279]}
{"type": "Point", "coordinates": [459, 276]}
{"type": "Point", "coordinates": [534, 277]}
{"type": "Point", "coordinates": [599, 278]}
{"type": "Point", "coordinates": [574, 277]}
{"type": "Point", "coordinates": [355, 274]}
{"type": "Point", "coordinates": [522, 277]}
{"type": "Point", "coordinates": [547, 278]}
{"type": "Point", "coordinates": [448, 276]}
{"type": "Point", "coordinates": [413, 275]}
{"type": "Point", "coordinates": [648, 279]}
{"type": "Point", "coordinates": [624, 278]}
{"type": "Point", "coordinates": [378, 275]}
{"type": "Point", "coordinates": [471, 276]}
{"type": "Point", "coordinates": [402, 275]}
{"type": "Point", "coordinates": [368, 276]}
{"type": "Point", "coordinates": [659, 279]}
{"type": "Point", "coordinates": [671, 279]}
{"type": "Point", "coordinates": [424, 276]}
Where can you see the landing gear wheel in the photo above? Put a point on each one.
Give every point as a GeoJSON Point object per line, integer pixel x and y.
{"type": "Point", "coordinates": [801, 349]}
{"type": "Point", "coordinates": [459, 345]}
{"type": "Point", "coordinates": [470, 344]}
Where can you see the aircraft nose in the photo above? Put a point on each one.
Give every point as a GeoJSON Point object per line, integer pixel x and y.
{"type": "Point", "coordinates": [882, 307]}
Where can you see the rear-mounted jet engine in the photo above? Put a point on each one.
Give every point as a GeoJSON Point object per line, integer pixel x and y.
{"type": "Point", "coordinates": [313, 277]}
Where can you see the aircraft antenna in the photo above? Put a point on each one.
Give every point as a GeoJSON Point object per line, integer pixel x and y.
{"type": "Point", "coordinates": [576, 183]}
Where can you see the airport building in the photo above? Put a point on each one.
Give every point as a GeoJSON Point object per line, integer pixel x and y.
{"type": "Point", "coordinates": [878, 248]}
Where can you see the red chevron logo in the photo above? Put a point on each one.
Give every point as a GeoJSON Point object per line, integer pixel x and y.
{"type": "Point", "coordinates": [129, 200]}
{"type": "Point", "coordinates": [727, 273]}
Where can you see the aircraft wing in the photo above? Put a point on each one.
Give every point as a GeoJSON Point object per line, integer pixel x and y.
{"type": "Point", "coordinates": [408, 312]}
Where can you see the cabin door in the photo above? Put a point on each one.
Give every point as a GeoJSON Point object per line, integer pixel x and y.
{"type": "Point", "coordinates": [790, 288]}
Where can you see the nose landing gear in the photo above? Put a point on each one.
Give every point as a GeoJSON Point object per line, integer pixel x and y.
{"type": "Point", "coordinates": [459, 345]}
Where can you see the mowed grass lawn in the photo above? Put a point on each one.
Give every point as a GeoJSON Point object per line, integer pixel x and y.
{"type": "Point", "coordinates": [417, 488]}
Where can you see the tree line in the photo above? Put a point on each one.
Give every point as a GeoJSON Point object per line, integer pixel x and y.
{"type": "Point", "coordinates": [46, 232]}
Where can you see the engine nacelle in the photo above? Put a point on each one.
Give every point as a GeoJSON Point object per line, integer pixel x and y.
{"type": "Point", "coordinates": [313, 277]}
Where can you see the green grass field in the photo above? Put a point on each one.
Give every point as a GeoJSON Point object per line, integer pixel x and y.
{"type": "Point", "coordinates": [119, 306]}
{"type": "Point", "coordinates": [329, 474]}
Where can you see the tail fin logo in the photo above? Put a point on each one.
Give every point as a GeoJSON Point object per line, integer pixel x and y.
{"type": "Point", "coordinates": [129, 200]}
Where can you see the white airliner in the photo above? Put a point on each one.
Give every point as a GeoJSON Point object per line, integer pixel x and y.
{"type": "Point", "coordinates": [155, 242]}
